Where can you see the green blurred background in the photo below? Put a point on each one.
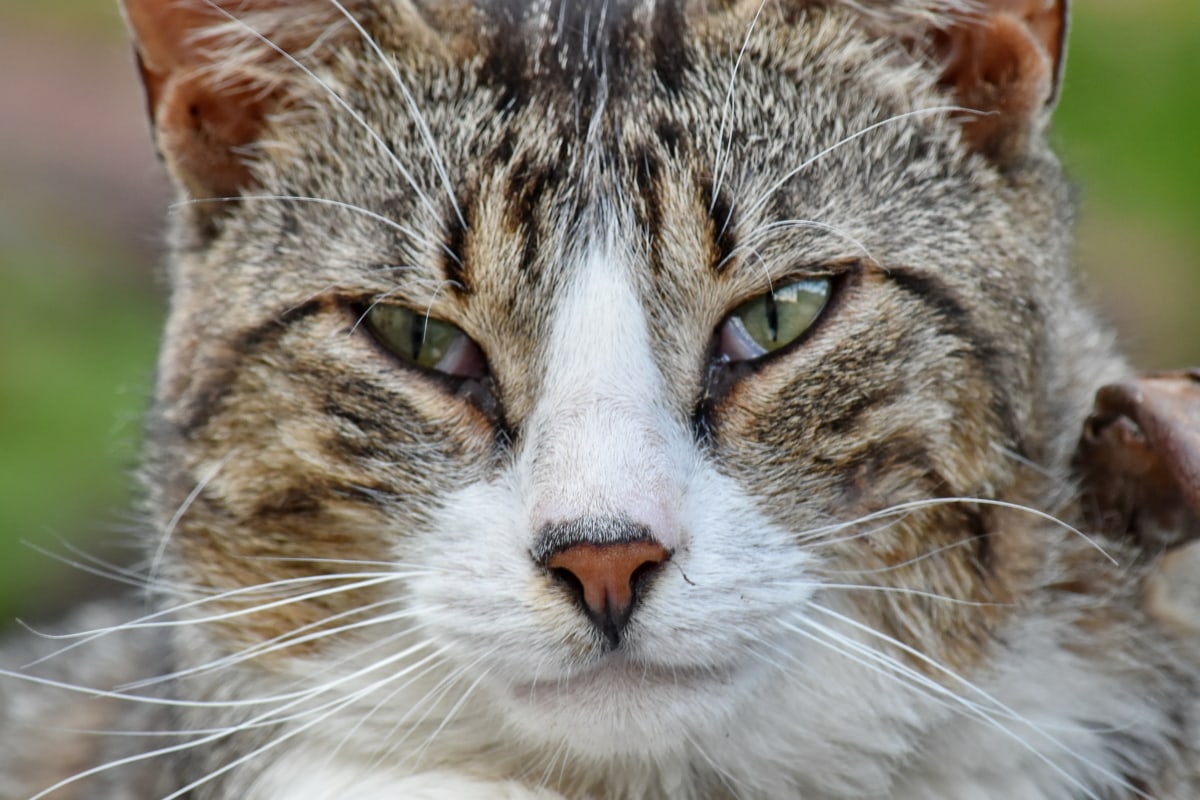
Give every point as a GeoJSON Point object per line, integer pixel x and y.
{"type": "Point", "coordinates": [82, 199]}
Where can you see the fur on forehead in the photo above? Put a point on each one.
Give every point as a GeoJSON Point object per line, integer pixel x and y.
{"type": "Point", "coordinates": [229, 36]}
{"type": "Point", "coordinates": [216, 71]}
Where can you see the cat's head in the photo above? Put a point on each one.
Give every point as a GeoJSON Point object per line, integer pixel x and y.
{"type": "Point", "coordinates": [596, 376]}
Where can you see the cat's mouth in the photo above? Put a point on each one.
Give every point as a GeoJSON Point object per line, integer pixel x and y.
{"type": "Point", "coordinates": [620, 706]}
{"type": "Point", "coordinates": [616, 671]}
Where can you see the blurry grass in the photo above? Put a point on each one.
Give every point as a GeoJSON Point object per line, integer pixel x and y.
{"type": "Point", "coordinates": [1130, 112]}
{"type": "Point", "coordinates": [93, 17]}
{"type": "Point", "coordinates": [76, 349]}
{"type": "Point", "coordinates": [1129, 129]}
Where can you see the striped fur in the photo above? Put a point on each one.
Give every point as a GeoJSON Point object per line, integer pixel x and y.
{"type": "Point", "coordinates": [876, 587]}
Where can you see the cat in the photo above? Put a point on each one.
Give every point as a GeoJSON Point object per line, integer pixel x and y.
{"type": "Point", "coordinates": [676, 399]}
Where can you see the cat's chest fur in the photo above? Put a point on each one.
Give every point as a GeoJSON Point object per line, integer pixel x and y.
{"type": "Point", "coordinates": [629, 400]}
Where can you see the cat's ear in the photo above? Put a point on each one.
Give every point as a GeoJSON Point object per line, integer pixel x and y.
{"type": "Point", "coordinates": [199, 121]}
{"type": "Point", "coordinates": [213, 71]}
{"type": "Point", "coordinates": [1003, 59]}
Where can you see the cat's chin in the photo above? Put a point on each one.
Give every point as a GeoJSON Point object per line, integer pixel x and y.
{"type": "Point", "coordinates": [620, 708]}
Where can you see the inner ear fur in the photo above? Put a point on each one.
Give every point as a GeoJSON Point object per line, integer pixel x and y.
{"type": "Point", "coordinates": [1004, 61]}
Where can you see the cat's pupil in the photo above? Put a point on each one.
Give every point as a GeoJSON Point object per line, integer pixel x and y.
{"type": "Point", "coordinates": [416, 333]}
{"type": "Point", "coordinates": [772, 316]}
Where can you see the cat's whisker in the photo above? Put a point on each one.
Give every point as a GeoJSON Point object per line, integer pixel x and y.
{"type": "Point", "coordinates": [559, 752]}
{"type": "Point", "coordinates": [429, 701]}
{"type": "Point", "coordinates": [757, 204]}
{"type": "Point", "coordinates": [421, 569]}
{"type": "Point", "coordinates": [432, 300]}
{"type": "Point", "coordinates": [154, 620]}
{"type": "Point", "coordinates": [412, 234]}
{"type": "Point", "coordinates": [908, 562]}
{"type": "Point", "coordinates": [271, 721]}
{"type": "Point", "coordinates": [103, 569]}
{"type": "Point", "coordinates": [429, 663]}
{"type": "Point", "coordinates": [357, 694]}
{"type": "Point", "coordinates": [995, 704]}
{"type": "Point", "coordinates": [859, 587]}
{"type": "Point", "coordinates": [737, 787]}
{"type": "Point", "coordinates": [209, 476]}
{"type": "Point", "coordinates": [888, 667]}
{"type": "Point", "coordinates": [120, 695]}
{"type": "Point", "coordinates": [383, 298]}
{"type": "Point", "coordinates": [439, 164]}
{"type": "Point", "coordinates": [454, 710]}
{"type": "Point", "coordinates": [913, 505]}
{"type": "Point", "coordinates": [718, 168]}
{"type": "Point", "coordinates": [271, 715]}
{"type": "Point", "coordinates": [752, 238]}
{"type": "Point", "coordinates": [295, 637]}
{"type": "Point", "coordinates": [408, 177]}
{"type": "Point", "coordinates": [1025, 461]}
{"type": "Point", "coordinates": [326, 712]}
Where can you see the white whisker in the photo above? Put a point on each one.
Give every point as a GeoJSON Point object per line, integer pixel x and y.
{"type": "Point", "coordinates": [902, 508]}
{"type": "Point", "coordinates": [337, 98]}
{"type": "Point", "coordinates": [439, 163]}
{"type": "Point", "coordinates": [324, 201]}
{"type": "Point", "coordinates": [996, 707]}
{"type": "Point", "coordinates": [208, 477]}
{"type": "Point", "coordinates": [154, 620]}
{"type": "Point", "coordinates": [718, 161]}
{"type": "Point", "coordinates": [913, 593]}
{"type": "Point", "coordinates": [762, 199]}
{"type": "Point", "coordinates": [751, 239]}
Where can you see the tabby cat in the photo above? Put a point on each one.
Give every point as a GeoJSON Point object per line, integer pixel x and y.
{"type": "Point", "coordinates": [617, 399]}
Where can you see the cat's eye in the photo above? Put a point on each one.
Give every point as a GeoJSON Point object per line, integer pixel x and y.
{"type": "Point", "coordinates": [773, 320]}
{"type": "Point", "coordinates": [426, 342]}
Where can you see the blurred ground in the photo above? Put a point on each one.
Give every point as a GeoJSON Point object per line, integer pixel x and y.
{"type": "Point", "coordinates": [83, 198]}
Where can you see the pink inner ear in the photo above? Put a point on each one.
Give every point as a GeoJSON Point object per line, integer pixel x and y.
{"type": "Point", "coordinates": [201, 130]}
{"type": "Point", "coordinates": [200, 121]}
{"type": "Point", "coordinates": [1005, 62]}
{"type": "Point", "coordinates": [164, 35]}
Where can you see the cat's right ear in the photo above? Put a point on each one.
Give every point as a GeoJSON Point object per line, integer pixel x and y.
{"type": "Point", "coordinates": [203, 117]}
{"type": "Point", "coordinates": [1003, 59]}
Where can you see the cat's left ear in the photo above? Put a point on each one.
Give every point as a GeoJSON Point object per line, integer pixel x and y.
{"type": "Point", "coordinates": [201, 120]}
{"type": "Point", "coordinates": [215, 71]}
{"type": "Point", "coordinates": [1004, 61]}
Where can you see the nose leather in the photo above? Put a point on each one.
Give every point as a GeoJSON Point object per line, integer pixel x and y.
{"type": "Point", "coordinates": [608, 572]}
{"type": "Point", "coordinates": [605, 574]}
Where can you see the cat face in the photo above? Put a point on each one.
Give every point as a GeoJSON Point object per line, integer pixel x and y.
{"type": "Point", "coordinates": [598, 382]}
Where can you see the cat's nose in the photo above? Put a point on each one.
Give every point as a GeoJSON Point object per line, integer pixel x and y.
{"type": "Point", "coordinates": [606, 578]}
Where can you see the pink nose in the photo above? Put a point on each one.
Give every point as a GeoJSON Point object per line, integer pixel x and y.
{"type": "Point", "coordinates": [607, 577]}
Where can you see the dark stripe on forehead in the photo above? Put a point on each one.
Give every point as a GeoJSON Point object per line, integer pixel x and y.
{"type": "Point", "coordinates": [647, 173]}
{"type": "Point", "coordinates": [454, 250]}
{"type": "Point", "coordinates": [722, 223]}
{"type": "Point", "coordinates": [530, 180]}
{"type": "Point", "coordinates": [505, 65]}
{"type": "Point", "coordinates": [585, 49]}
{"type": "Point", "coordinates": [668, 45]}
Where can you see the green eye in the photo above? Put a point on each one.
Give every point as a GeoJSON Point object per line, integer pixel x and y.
{"type": "Point", "coordinates": [773, 320]}
{"type": "Point", "coordinates": [425, 342]}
